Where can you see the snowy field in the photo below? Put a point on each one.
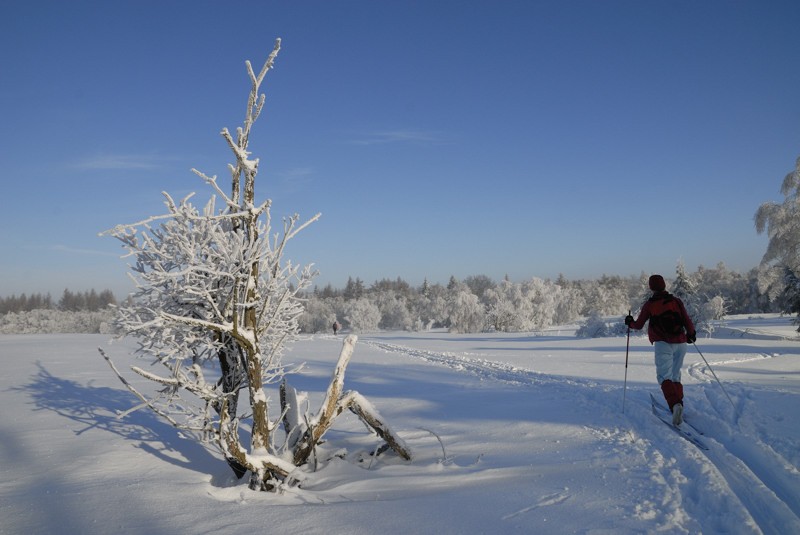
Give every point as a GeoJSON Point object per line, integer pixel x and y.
{"type": "Point", "coordinates": [510, 434]}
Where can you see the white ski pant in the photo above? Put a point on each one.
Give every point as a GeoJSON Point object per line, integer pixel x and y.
{"type": "Point", "coordinates": [669, 361]}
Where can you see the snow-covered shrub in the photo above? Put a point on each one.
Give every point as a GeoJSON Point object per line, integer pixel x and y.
{"type": "Point", "coordinates": [597, 326]}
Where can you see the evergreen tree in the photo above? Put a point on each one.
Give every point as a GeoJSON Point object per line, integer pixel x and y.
{"type": "Point", "coordinates": [425, 288]}
{"type": "Point", "coordinates": [790, 298]}
{"type": "Point", "coordinates": [452, 283]}
{"type": "Point", "coordinates": [354, 288]}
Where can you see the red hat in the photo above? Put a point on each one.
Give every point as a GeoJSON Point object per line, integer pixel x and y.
{"type": "Point", "coordinates": [657, 283]}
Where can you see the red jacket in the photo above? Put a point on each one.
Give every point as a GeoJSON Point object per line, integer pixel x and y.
{"type": "Point", "coordinates": [656, 333]}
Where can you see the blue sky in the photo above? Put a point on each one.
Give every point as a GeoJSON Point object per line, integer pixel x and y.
{"type": "Point", "coordinates": [436, 138]}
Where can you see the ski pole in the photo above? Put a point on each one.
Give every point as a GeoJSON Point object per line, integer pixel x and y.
{"type": "Point", "coordinates": [625, 384]}
{"type": "Point", "coordinates": [715, 377]}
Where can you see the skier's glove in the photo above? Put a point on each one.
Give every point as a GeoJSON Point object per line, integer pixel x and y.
{"type": "Point", "coordinates": [628, 320]}
{"type": "Point", "coordinates": [691, 337]}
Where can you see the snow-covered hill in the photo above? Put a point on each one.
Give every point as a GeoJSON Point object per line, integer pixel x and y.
{"type": "Point", "coordinates": [510, 433]}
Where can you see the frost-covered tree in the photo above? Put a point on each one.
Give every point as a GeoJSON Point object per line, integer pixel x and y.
{"type": "Point", "coordinates": [318, 315]}
{"type": "Point", "coordinates": [479, 284]}
{"type": "Point", "coordinates": [504, 302]}
{"type": "Point", "coordinates": [531, 306]}
{"type": "Point", "coordinates": [213, 286]}
{"type": "Point", "coordinates": [715, 308]}
{"type": "Point", "coordinates": [543, 298]}
{"type": "Point", "coordinates": [790, 298]}
{"type": "Point", "coordinates": [354, 288]}
{"type": "Point", "coordinates": [465, 312]}
{"type": "Point", "coordinates": [362, 315]}
{"type": "Point", "coordinates": [781, 222]}
{"type": "Point", "coordinates": [607, 296]}
{"type": "Point", "coordinates": [570, 303]}
{"type": "Point", "coordinates": [394, 311]}
{"type": "Point", "coordinates": [427, 306]}
{"type": "Point", "coordinates": [419, 309]}
{"type": "Point", "coordinates": [781, 261]}
{"type": "Point", "coordinates": [685, 288]}
{"type": "Point", "coordinates": [25, 303]}
{"type": "Point", "coordinates": [733, 288]}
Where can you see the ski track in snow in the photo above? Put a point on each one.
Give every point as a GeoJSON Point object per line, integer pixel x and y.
{"type": "Point", "coordinates": [544, 501]}
{"type": "Point", "coordinates": [482, 368]}
{"type": "Point", "coordinates": [741, 471]}
{"type": "Point", "coordinates": [701, 372]}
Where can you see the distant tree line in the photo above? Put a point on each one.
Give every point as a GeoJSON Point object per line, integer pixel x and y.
{"type": "Point", "coordinates": [479, 303]}
{"type": "Point", "coordinates": [75, 312]}
{"type": "Point", "coordinates": [475, 304]}
{"type": "Point", "coordinates": [88, 301]}
{"type": "Point", "coordinates": [49, 321]}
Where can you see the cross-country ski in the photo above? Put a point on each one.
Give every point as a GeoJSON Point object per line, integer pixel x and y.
{"type": "Point", "coordinates": [660, 405]}
{"type": "Point", "coordinates": [683, 429]}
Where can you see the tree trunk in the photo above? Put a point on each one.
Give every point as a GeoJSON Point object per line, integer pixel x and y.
{"type": "Point", "coordinates": [233, 374]}
{"type": "Point", "coordinates": [334, 403]}
{"type": "Point", "coordinates": [292, 418]}
{"type": "Point", "coordinates": [362, 408]}
{"type": "Point", "coordinates": [319, 425]}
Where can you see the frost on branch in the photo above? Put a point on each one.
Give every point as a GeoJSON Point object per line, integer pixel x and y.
{"type": "Point", "coordinates": [214, 296]}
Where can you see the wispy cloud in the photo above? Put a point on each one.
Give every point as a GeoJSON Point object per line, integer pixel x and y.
{"type": "Point", "coordinates": [76, 250]}
{"type": "Point", "coordinates": [117, 162]}
{"type": "Point", "coordinates": [296, 174]}
{"type": "Point", "coordinates": [399, 136]}
{"type": "Point", "coordinates": [296, 179]}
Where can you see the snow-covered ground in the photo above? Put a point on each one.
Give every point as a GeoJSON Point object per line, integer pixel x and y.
{"type": "Point", "coordinates": [510, 434]}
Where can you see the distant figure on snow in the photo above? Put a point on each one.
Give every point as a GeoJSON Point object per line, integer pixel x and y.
{"type": "Point", "coordinates": [669, 330]}
{"type": "Point", "coordinates": [336, 326]}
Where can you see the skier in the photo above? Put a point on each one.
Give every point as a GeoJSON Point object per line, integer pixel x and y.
{"type": "Point", "coordinates": [669, 330]}
{"type": "Point", "coordinates": [336, 327]}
